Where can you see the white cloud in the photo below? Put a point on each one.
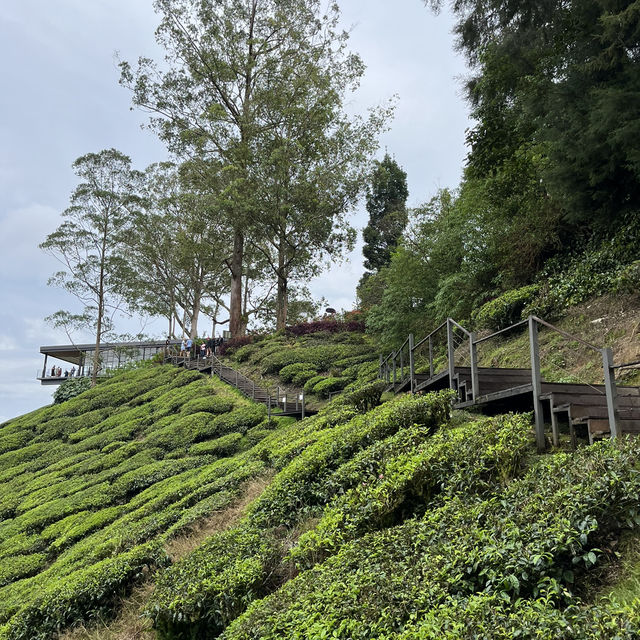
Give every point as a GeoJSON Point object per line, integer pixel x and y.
{"type": "Point", "coordinates": [7, 343]}
{"type": "Point", "coordinates": [37, 331]}
{"type": "Point", "coordinates": [22, 230]}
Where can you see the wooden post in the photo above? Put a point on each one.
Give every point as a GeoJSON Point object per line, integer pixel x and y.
{"type": "Point", "coordinates": [401, 364]}
{"type": "Point", "coordinates": [430, 356]}
{"type": "Point", "coordinates": [612, 392]}
{"type": "Point", "coordinates": [278, 396]}
{"type": "Point", "coordinates": [475, 382]}
{"type": "Point", "coordinates": [394, 368]}
{"type": "Point", "coordinates": [412, 373]}
{"type": "Point", "coordinates": [451, 354]}
{"type": "Point", "coordinates": [536, 383]}
{"type": "Point", "coordinates": [555, 432]}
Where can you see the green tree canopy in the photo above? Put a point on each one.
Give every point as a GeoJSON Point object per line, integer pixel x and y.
{"type": "Point", "coordinates": [89, 243]}
{"type": "Point", "coordinates": [387, 206]}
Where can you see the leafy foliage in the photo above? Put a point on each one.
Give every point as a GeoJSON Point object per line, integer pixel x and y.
{"type": "Point", "coordinates": [95, 485]}
{"type": "Point", "coordinates": [70, 389]}
{"type": "Point", "coordinates": [506, 309]}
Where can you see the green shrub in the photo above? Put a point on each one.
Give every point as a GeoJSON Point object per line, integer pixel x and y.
{"type": "Point", "coordinates": [290, 371]}
{"type": "Point", "coordinates": [220, 447]}
{"type": "Point", "coordinates": [523, 546]}
{"type": "Point", "coordinates": [209, 404]}
{"type": "Point", "coordinates": [300, 378]}
{"type": "Point", "coordinates": [628, 279]}
{"type": "Point", "coordinates": [324, 387]}
{"type": "Point", "coordinates": [366, 397]}
{"type": "Point", "coordinates": [506, 309]}
{"type": "Point", "coordinates": [301, 485]}
{"type": "Point", "coordinates": [200, 595]}
{"type": "Point", "coordinates": [404, 473]}
{"type": "Point", "coordinates": [85, 594]}
{"type": "Point", "coordinates": [311, 382]}
{"type": "Point", "coordinates": [71, 388]}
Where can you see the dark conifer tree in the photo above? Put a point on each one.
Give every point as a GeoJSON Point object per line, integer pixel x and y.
{"type": "Point", "coordinates": [387, 207]}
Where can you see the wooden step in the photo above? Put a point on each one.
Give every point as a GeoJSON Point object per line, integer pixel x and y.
{"type": "Point", "coordinates": [601, 427]}
{"type": "Point", "coordinates": [586, 389]}
{"type": "Point", "coordinates": [595, 399]}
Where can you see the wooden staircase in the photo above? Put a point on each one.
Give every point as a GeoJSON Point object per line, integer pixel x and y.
{"type": "Point", "coordinates": [593, 410]}
{"type": "Point", "coordinates": [280, 404]}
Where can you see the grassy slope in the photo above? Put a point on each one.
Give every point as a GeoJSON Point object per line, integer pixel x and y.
{"type": "Point", "coordinates": [608, 321]}
{"type": "Point", "coordinates": [380, 522]}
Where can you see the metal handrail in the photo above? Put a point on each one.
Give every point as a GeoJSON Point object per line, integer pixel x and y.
{"type": "Point", "coordinates": [533, 322]}
{"type": "Point", "coordinates": [433, 333]}
{"type": "Point", "coordinates": [497, 333]}
{"type": "Point", "coordinates": [627, 365]}
{"type": "Point", "coordinates": [567, 335]}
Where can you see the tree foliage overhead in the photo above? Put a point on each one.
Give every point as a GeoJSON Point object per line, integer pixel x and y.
{"type": "Point", "coordinates": [253, 91]}
{"type": "Point", "coordinates": [563, 77]}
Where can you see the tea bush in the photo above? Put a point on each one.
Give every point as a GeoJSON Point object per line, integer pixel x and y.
{"type": "Point", "coordinates": [70, 388]}
{"type": "Point", "coordinates": [522, 547]}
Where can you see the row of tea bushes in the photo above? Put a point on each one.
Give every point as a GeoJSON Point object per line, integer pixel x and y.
{"type": "Point", "coordinates": [94, 487]}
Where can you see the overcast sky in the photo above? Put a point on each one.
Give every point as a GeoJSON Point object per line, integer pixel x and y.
{"type": "Point", "coordinates": [60, 99]}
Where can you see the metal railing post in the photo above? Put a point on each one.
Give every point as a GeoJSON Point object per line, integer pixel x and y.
{"type": "Point", "coordinates": [412, 373]}
{"type": "Point", "coordinates": [611, 391]}
{"type": "Point", "coordinates": [430, 357]}
{"type": "Point", "coordinates": [269, 407]}
{"type": "Point", "coordinates": [451, 354]}
{"type": "Point", "coordinates": [394, 368]}
{"type": "Point", "coordinates": [401, 364]}
{"type": "Point", "coordinates": [303, 405]}
{"type": "Point", "coordinates": [536, 383]}
{"type": "Point", "coordinates": [475, 383]}
{"type": "Point", "coordinates": [380, 368]}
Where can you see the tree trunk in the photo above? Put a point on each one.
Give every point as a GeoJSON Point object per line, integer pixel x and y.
{"type": "Point", "coordinates": [235, 306]}
{"type": "Point", "coordinates": [96, 353]}
{"type": "Point", "coordinates": [197, 298]}
{"type": "Point", "coordinates": [282, 296]}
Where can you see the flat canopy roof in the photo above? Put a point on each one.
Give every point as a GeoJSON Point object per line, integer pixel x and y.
{"type": "Point", "coordinates": [73, 352]}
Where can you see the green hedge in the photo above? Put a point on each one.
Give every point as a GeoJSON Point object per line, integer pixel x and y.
{"type": "Point", "coordinates": [506, 309]}
{"type": "Point", "coordinates": [199, 596]}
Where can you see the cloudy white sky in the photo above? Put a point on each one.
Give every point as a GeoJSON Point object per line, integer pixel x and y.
{"type": "Point", "coordinates": [60, 98]}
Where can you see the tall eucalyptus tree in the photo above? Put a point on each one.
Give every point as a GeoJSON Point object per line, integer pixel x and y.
{"type": "Point", "coordinates": [236, 75]}
{"type": "Point", "coordinates": [89, 244]}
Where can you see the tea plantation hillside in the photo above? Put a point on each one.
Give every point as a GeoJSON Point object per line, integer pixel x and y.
{"type": "Point", "coordinates": [322, 357]}
{"type": "Point", "coordinates": [380, 520]}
